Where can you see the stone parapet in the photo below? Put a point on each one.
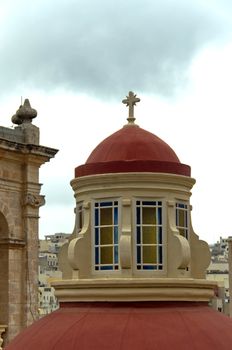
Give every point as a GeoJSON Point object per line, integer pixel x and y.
{"type": "Point", "coordinates": [15, 135]}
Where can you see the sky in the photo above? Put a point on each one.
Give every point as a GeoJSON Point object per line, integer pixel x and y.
{"type": "Point", "coordinates": [77, 59]}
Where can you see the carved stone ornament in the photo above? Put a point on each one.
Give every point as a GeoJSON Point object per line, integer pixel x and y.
{"type": "Point", "coordinates": [24, 114]}
{"type": "Point", "coordinates": [35, 201]}
{"type": "Point", "coordinates": [2, 330]}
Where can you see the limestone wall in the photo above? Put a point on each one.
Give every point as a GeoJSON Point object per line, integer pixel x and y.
{"type": "Point", "coordinates": [20, 200]}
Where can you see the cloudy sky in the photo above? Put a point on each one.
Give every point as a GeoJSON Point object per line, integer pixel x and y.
{"type": "Point", "coordinates": [76, 59]}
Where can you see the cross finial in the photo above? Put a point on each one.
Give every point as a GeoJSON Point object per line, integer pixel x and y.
{"type": "Point", "coordinates": [130, 101]}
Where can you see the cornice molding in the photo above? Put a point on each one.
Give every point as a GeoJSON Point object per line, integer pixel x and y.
{"type": "Point", "coordinates": [140, 289]}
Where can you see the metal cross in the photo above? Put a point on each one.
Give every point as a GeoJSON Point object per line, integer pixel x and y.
{"type": "Point", "coordinates": [130, 101]}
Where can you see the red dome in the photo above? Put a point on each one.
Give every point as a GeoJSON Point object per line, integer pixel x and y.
{"type": "Point", "coordinates": [125, 326]}
{"type": "Point", "coordinates": [132, 143]}
{"type": "Point", "coordinates": [132, 149]}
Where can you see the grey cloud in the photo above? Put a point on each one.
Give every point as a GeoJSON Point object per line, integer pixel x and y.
{"type": "Point", "coordinates": [57, 191]}
{"type": "Point", "coordinates": [104, 47]}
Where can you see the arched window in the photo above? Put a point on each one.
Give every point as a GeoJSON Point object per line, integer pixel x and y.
{"type": "Point", "coordinates": [106, 235]}
{"type": "Point", "coordinates": [149, 235]}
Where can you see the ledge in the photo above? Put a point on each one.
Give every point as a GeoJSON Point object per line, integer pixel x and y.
{"type": "Point", "coordinates": [27, 148]}
{"type": "Point", "coordinates": [138, 289]}
{"type": "Point", "coordinates": [12, 242]}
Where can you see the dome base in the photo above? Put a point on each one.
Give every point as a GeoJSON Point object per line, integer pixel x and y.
{"type": "Point", "coordinates": [134, 289]}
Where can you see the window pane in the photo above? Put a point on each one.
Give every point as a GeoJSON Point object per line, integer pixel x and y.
{"type": "Point", "coordinates": [106, 267]}
{"type": "Point", "coordinates": [80, 219]}
{"type": "Point", "coordinates": [116, 254]}
{"type": "Point", "coordinates": [105, 204]}
{"type": "Point", "coordinates": [160, 235]}
{"type": "Point", "coordinates": [79, 222]}
{"type": "Point", "coordinates": [106, 255]}
{"type": "Point", "coordinates": [149, 203]}
{"type": "Point", "coordinates": [160, 254]}
{"type": "Point", "coordinates": [96, 236]}
{"type": "Point", "coordinates": [149, 267]}
{"type": "Point", "coordinates": [149, 215]}
{"type": "Point", "coordinates": [106, 216]}
{"type": "Point", "coordinates": [159, 216]}
{"type": "Point", "coordinates": [149, 235]}
{"type": "Point", "coordinates": [181, 205]}
{"type": "Point", "coordinates": [186, 218]}
{"type": "Point", "coordinates": [115, 235]}
{"type": "Point", "coordinates": [138, 216]}
{"type": "Point", "coordinates": [106, 235]}
{"type": "Point", "coordinates": [181, 218]}
{"type": "Point", "coordinates": [138, 235]}
{"type": "Point", "coordinates": [116, 216]}
{"type": "Point", "coordinates": [96, 217]}
{"type": "Point", "coordinates": [149, 255]}
{"type": "Point", "coordinates": [138, 254]}
{"type": "Point", "coordinates": [96, 255]}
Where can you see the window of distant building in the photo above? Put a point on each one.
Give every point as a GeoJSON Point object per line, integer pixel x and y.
{"type": "Point", "coordinates": [149, 235]}
{"type": "Point", "coordinates": [182, 219]}
{"type": "Point", "coordinates": [106, 235]}
{"type": "Point", "coordinates": [79, 216]}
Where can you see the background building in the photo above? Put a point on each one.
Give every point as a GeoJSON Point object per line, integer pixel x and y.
{"type": "Point", "coordinates": [49, 271]}
{"type": "Point", "coordinates": [218, 271]}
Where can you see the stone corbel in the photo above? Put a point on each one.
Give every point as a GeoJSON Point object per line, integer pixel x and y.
{"type": "Point", "coordinates": [181, 247]}
{"type": "Point", "coordinates": [79, 247]}
{"type": "Point", "coordinates": [63, 263]}
{"type": "Point", "coordinates": [34, 200]}
{"type": "Point", "coordinates": [200, 255]}
{"type": "Point", "coordinates": [178, 246]}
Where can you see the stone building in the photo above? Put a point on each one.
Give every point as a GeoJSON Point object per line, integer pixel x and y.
{"type": "Point", "coordinates": [53, 243]}
{"type": "Point", "coordinates": [49, 271]}
{"type": "Point", "coordinates": [21, 156]}
{"type": "Point", "coordinates": [218, 271]}
{"type": "Point", "coordinates": [133, 269]}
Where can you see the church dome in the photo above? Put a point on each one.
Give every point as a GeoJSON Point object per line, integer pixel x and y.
{"type": "Point", "coordinates": [132, 149]}
{"type": "Point", "coordinates": [132, 143]}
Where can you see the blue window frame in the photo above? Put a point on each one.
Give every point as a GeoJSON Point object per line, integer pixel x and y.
{"type": "Point", "coordinates": [149, 235]}
{"type": "Point", "coordinates": [106, 235]}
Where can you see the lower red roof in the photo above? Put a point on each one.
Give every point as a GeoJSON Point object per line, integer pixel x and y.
{"type": "Point", "coordinates": [129, 325]}
{"type": "Point", "coordinates": [128, 166]}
